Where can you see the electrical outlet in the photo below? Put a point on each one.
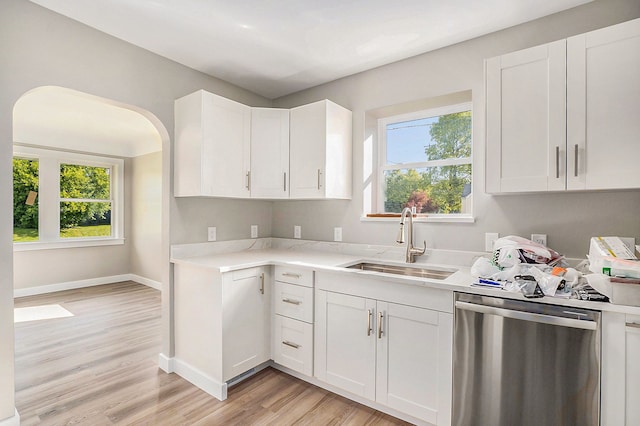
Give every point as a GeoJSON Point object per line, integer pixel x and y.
{"type": "Point", "coordinates": [539, 238]}
{"type": "Point", "coordinates": [254, 231]}
{"type": "Point", "coordinates": [211, 233]}
{"type": "Point", "coordinates": [337, 234]}
{"type": "Point", "coordinates": [297, 231]}
{"type": "Point", "coordinates": [489, 240]}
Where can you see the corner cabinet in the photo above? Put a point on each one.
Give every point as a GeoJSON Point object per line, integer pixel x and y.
{"type": "Point", "coordinates": [563, 116]}
{"type": "Point", "coordinates": [222, 324]}
{"type": "Point", "coordinates": [269, 174]}
{"type": "Point", "coordinates": [320, 151]}
{"type": "Point", "coordinates": [388, 351]}
{"type": "Point", "coordinates": [211, 153]}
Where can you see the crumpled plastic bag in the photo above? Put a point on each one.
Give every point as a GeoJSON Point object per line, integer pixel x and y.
{"type": "Point", "coordinates": [512, 250]}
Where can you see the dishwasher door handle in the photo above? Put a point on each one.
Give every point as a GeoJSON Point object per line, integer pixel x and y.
{"type": "Point", "coordinates": [528, 316]}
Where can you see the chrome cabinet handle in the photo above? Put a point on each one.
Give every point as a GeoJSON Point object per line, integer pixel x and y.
{"type": "Point", "coordinates": [248, 186]}
{"type": "Point", "coordinates": [262, 283]}
{"type": "Point", "coordinates": [369, 315]}
{"type": "Point", "coordinates": [290, 274]}
{"type": "Point", "coordinates": [380, 332]}
{"type": "Point", "coordinates": [293, 302]}
{"type": "Point", "coordinates": [575, 160]}
{"type": "Point", "coordinates": [319, 173]}
{"type": "Point", "coordinates": [284, 181]}
{"type": "Point", "coordinates": [557, 162]}
{"type": "Point", "coordinates": [633, 325]}
{"type": "Point", "coordinates": [290, 344]}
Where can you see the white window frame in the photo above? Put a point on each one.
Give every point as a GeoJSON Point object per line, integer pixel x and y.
{"type": "Point", "coordinates": [49, 162]}
{"type": "Point", "coordinates": [382, 166]}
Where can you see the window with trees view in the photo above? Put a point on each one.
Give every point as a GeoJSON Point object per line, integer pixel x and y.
{"type": "Point", "coordinates": [64, 197]}
{"type": "Point", "coordinates": [426, 162]}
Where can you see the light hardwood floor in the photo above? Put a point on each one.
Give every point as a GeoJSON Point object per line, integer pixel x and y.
{"type": "Point", "coordinates": [99, 367]}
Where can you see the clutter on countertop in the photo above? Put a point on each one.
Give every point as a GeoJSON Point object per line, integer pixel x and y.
{"type": "Point", "coordinates": [521, 265]}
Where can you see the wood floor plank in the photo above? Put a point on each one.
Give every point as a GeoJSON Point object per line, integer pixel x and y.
{"type": "Point", "coordinates": [99, 367]}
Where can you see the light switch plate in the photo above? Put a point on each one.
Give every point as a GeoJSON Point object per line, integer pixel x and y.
{"type": "Point", "coordinates": [337, 233]}
{"type": "Point", "coordinates": [489, 240]}
{"type": "Point", "coordinates": [254, 231]}
{"type": "Point", "coordinates": [297, 231]}
{"type": "Point", "coordinates": [211, 233]}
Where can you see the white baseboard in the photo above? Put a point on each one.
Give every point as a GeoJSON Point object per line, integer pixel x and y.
{"type": "Point", "coordinates": [165, 363]}
{"type": "Point", "coordinates": [146, 281]}
{"type": "Point", "coordinates": [71, 285]}
{"type": "Point", "coordinates": [11, 421]}
{"type": "Point", "coordinates": [199, 378]}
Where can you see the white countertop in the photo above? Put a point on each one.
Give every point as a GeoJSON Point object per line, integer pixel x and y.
{"type": "Point", "coordinates": [335, 262]}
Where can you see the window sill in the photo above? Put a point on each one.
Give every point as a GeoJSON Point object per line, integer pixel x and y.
{"type": "Point", "coordinates": [52, 245]}
{"type": "Point", "coordinates": [428, 219]}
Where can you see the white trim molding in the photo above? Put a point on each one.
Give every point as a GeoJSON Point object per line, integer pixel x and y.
{"type": "Point", "coordinates": [72, 285]}
{"type": "Point", "coordinates": [11, 421]}
{"type": "Point", "coordinates": [199, 378]}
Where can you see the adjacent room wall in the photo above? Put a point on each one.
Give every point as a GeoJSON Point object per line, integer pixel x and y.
{"type": "Point", "coordinates": [569, 219]}
{"type": "Point", "coordinates": [144, 231]}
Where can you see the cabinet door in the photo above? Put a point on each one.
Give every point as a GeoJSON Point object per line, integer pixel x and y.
{"type": "Point", "coordinates": [603, 90]}
{"type": "Point", "coordinates": [307, 145]}
{"type": "Point", "coordinates": [633, 374]}
{"type": "Point", "coordinates": [225, 154]}
{"type": "Point", "coordinates": [414, 361]}
{"type": "Point", "coordinates": [269, 153]}
{"type": "Point", "coordinates": [246, 313]}
{"type": "Point", "coordinates": [345, 342]}
{"type": "Point", "coordinates": [212, 146]}
{"type": "Point", "coordinates": [526, 123]}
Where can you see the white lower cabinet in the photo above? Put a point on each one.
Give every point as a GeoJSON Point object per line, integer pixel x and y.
{"type": "Point", "coordinates": [222, 324]}
{"type": "Point", "coordinates": [632, 337]}
{"type": "Point", "coordinates": [292, 343]}
{"type": "Point", "coordinates": [394, 354]}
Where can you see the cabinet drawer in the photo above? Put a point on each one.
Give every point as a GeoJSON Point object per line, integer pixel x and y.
{"type": "Point", "coordinates": [294, 301]}
{"type": "Point", "coordinates": [293, 344]}
{"type": "Point", "coordinates": [300, 276]}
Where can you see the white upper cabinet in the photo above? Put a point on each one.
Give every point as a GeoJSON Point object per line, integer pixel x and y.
{"type": "Point", "coordinates": [603, 114]}
{"type": "Point", "coordinates": [526, 130]}
{"type": "Point", "coordinates": [564, 116]}
{"type": "Point", "coordinates": [269, 153]}
{"type": "Point", "coordinates": [320, 151]}
{"type": "Point", "coordinates": [211, 153]}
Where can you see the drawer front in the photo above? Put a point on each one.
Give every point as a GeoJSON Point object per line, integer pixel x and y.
{"type": "Point", "coordinates": [293, 301]}
{"type": "Point", "coordinates": [293, 344]}
{"type": "Point", "coordinates": [300, 276]}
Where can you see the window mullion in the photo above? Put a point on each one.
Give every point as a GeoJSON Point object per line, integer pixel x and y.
{"type": "Point", "coordinates": [48, 199]}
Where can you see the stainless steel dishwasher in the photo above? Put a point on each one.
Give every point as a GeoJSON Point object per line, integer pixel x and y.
{"type": "Point", "coordinates": [523, 363]}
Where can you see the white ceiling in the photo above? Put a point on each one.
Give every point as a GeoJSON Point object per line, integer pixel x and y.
{"type": "Point", "coordinates": [61, 118]}
{"type": "Point", "coordinates": [277, 47]}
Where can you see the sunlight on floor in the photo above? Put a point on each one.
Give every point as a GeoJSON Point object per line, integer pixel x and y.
{"type": "Point", "coordinates": [34, 313]}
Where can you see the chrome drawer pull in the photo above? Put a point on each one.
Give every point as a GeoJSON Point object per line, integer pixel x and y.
{"type": "Point", "coordinates": [633, 325]}
{"type": "Point", "coordinates": [290, 274]}
{"type": "Point", "coordinates": [293, 302]}
{"type": "Point", "coordinates": [369, 315]}
{"type": "Point", "coordinates": [380, 318]}
{"type": "Point", "coordinates": [292, 345]}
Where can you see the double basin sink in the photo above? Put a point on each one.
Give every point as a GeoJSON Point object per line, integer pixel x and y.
{"type": "Point", "coordinates": [411, 271]}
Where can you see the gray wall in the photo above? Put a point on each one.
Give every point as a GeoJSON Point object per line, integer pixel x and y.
{"type": "Point", "coordinates": [39, 47]}
{"type": "Point", "coordinates": [569, 219]}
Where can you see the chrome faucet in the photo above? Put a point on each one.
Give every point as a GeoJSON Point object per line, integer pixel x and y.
{"type": "Point", "coordinates": [412, 252]}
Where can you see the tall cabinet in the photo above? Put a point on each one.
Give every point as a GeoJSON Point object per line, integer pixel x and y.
{"type": "Point", "coordinates": [564, 116]}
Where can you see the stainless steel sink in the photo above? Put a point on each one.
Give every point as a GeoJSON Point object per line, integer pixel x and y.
{"type": "Point", "coordinates": [412, 271]}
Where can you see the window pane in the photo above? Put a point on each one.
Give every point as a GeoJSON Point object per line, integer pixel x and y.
{"type": "Point", "coordinates": [85, 219]}
{"type": "Point", "coordinates": [426, 139]}
{"type": "Point", "coordinates": [440, 190]}
{"type": "Point", "coordinates": [85, 182]}
{"type": "Point", "coordinates": [25, 202]}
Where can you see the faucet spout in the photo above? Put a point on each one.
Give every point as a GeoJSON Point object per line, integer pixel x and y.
{"type": "Point", "coordinates": [412, 251]}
